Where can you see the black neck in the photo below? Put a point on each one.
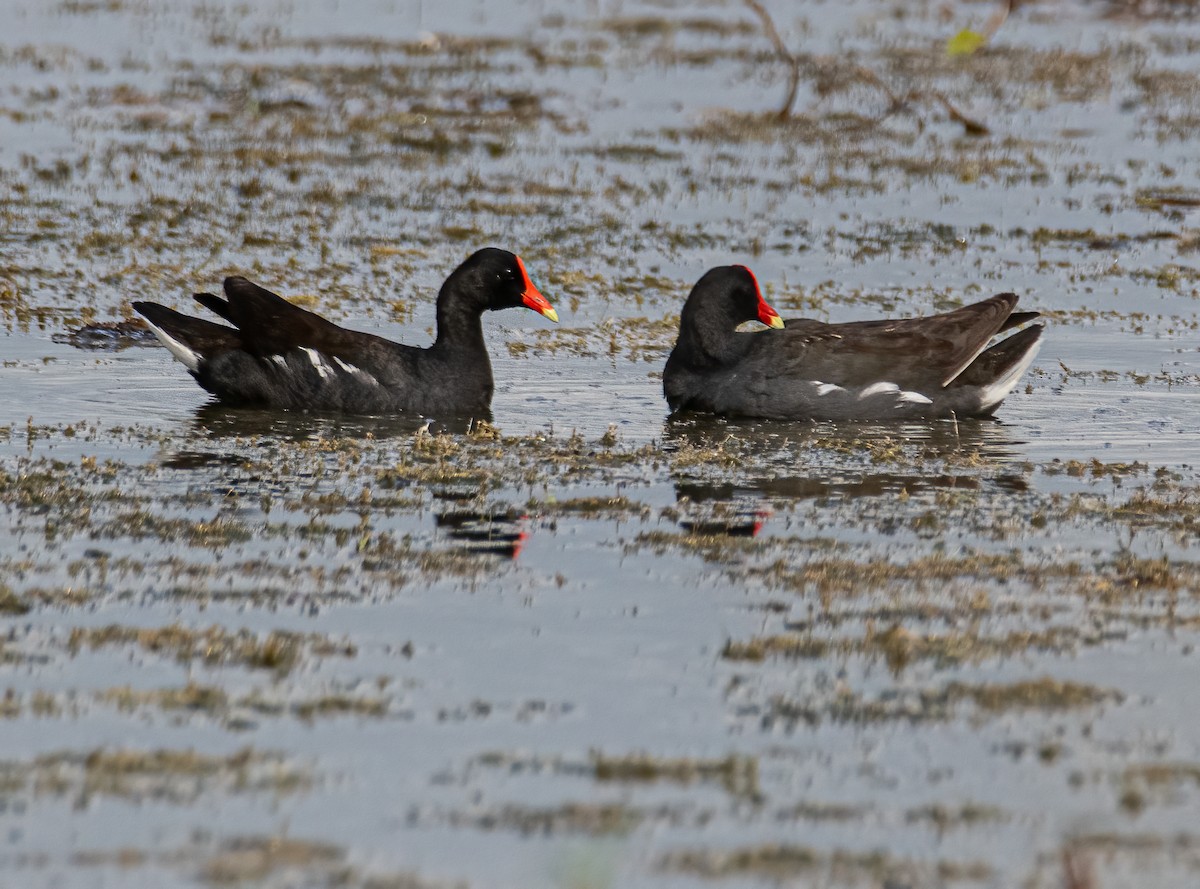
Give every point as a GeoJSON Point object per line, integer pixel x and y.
{"type": "Point", "coordinates": [458, 326]}
{"type": "Point", "coordinates": [710, 337]}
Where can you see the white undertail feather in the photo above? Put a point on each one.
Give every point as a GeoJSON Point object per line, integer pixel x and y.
{"type": "Point", "coordinates": [908, 396]}
{"type": "Point", "coordinates": [996, 391]}
{"type": "Point", "coordinates": [187, 357]}
{"type": "Point", "coordinates": [278, 361]}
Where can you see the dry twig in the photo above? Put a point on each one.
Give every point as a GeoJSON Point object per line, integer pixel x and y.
{"type": "Point", "coordinates": [896, 101]}
{"type": "Point", "coordinates": [784, 53]}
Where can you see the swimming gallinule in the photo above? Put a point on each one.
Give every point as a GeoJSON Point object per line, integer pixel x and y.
{"type": "Point", "coordinates": [936, 366]}
{"type": "Point", "coordinates": [279, 355]}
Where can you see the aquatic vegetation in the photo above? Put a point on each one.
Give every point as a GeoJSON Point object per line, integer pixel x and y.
{"type": "Point", "coordinates": [606, 648]}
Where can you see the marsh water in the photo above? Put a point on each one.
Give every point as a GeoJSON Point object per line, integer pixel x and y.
{"type": "Point", "coordinates": [586, 645]}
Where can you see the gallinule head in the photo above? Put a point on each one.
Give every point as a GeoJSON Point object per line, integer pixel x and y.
{"type": "Point", "coordinates": [279, 355]}
{"type": "Point", "coordinates": [913, 368]}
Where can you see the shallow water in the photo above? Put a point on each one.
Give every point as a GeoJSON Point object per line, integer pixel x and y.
{"type": "Point", "coordinates": [597, 647]}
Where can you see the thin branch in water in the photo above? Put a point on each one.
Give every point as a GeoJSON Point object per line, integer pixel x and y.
{"type": "Point", "coordinates": [973, 127]}
{"type": "Point", "coordinates": [896, 102]}
{"type": "Point", "coordinates": [784, 53]}
{"type": "Point", "coordinates": [998, 18]}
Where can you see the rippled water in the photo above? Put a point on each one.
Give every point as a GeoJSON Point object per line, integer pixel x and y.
{"type": "Point", "coordinates": [597, 647]}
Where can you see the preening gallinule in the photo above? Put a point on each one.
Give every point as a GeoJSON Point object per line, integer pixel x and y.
{"type": "Point", "coordinates": [913, 368]}
{"type": "Point", "coordinates": [279, 355]}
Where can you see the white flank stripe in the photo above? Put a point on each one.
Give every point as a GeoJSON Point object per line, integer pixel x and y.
{"type": "Point", "coordinates": [317, 361]}
{"type": "Point", "coordinates": [907, 395]}
{"type": "Point", "coordinates": [356, 372]}
{"type": "Point", "coordinates": [878, 389]}
{"type": "Point", "coordinates": [826, 388]}
{"type": "Point", "coordinates": [278, 360]}
{"type": "Point", "coordinates": [187, 357]}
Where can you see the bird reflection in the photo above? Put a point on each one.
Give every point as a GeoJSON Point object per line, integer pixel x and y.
{"type": "Point", "coordinates": [216, 420]}
{"type": "Point", "coordinates": [459, 517]}
{"type": "Point", "coordinates": [798, 461]}
{"type": "Point", "coordinates": [496, 532]}
{"type": "Point", "coordinates": [738, 523]}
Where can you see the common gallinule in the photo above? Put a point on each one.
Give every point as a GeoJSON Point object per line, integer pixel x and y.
{"type": "Point", "coordinates": [914, 368]}
{"type": "Point", "coordinates": [279, 355]}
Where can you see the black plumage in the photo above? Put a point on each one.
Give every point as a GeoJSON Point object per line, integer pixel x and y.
{"type": "Point", "coordinates": [280, 355]}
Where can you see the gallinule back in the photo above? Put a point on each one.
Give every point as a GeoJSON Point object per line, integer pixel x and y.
{"type": "Point", "coordinates": [914, 368]}
{"type": "Point", "coordinates": [279, 355]}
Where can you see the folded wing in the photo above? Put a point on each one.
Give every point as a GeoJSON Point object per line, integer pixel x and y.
{"type": "Point", "coordinates": [917, 354]}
